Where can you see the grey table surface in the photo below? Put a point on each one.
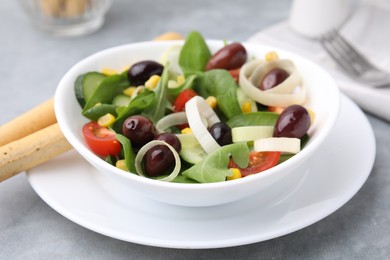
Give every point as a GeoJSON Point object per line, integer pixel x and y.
{"type": "Point", "coordinates": [32, 63]}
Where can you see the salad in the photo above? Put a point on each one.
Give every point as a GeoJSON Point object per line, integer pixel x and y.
{"type": "Point", "coordinates": [194, 116]}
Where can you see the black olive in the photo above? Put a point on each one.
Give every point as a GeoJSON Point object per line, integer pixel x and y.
{"type": "Point", "coordinates": [222, 133]}
{"type": "Point", "coordinates": [294, 121]}
{"type": "Point", "coordinates": [141, 71]}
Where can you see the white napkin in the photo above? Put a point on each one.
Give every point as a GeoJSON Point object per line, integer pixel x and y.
{"type": "Point", "coordinates": [367, 30]}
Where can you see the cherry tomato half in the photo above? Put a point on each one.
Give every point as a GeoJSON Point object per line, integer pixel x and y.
{"type": "Point", "coordinates": [235, 73]}
{"type": "Point", "coordinates": [182, 98]}
{"type": "Point", "coordinates": [258, 162]}
{"type": "Point", "coordinates": [101, 140]}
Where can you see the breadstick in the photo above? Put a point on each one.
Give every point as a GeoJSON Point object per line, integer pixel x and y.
{"type": "Point", "coordinates": [31, 151]}
{"type": "Point", "coordinates": [29, 122]}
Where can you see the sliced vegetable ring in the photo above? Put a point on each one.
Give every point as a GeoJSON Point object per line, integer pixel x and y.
{"type": "Point", "coordinates": [290, 91]}
{"type": "Point", "coordinates": [141, 153]}
{"type": "Point", "coordinates": [196, 109]}
{"type": "Point", "coordinates": [171, 120]}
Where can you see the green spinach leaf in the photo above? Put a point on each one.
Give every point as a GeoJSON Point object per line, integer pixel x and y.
{"type": "Point", "coordinates": [107, 90]}
{"type": "Point", "coordinates": [214, 168]}
{"type": "Point", "coordinates": [220, 84]}
{"type": "Point", "coordinates": [97, 111]}
{"type": "Point", "coordinates": [194, 54]}
{"type": "Point", "coordinates": [189, 83]}
{"type": "Point", "coordinates": [136, 106]}
{"type": "Point", "coordinates": [127, 152]}
{"type": "Point", "coordinates": [156, 110]}
{"type": "Point", "coordinates": [253, 118]}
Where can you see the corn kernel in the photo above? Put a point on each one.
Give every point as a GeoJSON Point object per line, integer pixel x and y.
{"type": "Point", "coordinates": [106, 120]}
{"type": "Point", "coordinates": [246, 107]}
{"type": "Point", "coordinates": [186, 130]}
{"type": "Point", "coordinates": [271, 56]}
{"type": "Point", "coordinates": [152, 82]}
{"type": "Point", "coordinates": [212, 101]}
{"type": "Point", "coordinates": [121, 164]}
{"type": "Point", "coordinates": [236, 174]}
{"type": "Point", "coordinates": [129, 91]}
{"type": "Point", "coordinates": [312, 115]}
{"type": "Point", "coordinates": [97, 104]}
{"type": "Point", "coordinates": [180, 80]}
{"type": "Point", "coordinates": [109, 72]}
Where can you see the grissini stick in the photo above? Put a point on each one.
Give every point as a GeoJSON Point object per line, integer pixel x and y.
{"type": "Point", "coordinates": [39, 117]}
{"type": "Point", "coordinates": [32, 150]}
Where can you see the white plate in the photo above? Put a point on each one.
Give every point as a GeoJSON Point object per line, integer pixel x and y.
{"type": "Point", "coordinates": [70, 186]}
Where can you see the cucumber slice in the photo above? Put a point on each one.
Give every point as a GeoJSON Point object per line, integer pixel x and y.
{"type": "Point", "coordinates": [90, 82]}
{"type": "Point", "coordinates": [121, 100]}
{"type": "Point", "coordinates": [192, 154]}
{"type": "Point", "coordinates": [78, 90]}
{"type": "Point", "coordinates": [251, 133]}
{"type": "Point", "coordinates": [188, 140]}
{"type": "Point", "coordinates": [86, 85]}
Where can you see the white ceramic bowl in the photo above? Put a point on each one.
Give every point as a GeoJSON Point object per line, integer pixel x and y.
{"type": "Point", "coordinates": [323, 98]}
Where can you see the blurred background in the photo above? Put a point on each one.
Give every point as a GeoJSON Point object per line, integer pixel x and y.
{"type": "Point", "coordinates": [34, 61]}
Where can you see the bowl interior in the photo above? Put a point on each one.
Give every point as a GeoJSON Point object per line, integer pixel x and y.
{"type": "Point", "coordinates": [323, 99]}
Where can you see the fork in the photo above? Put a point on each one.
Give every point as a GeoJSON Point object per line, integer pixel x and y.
{"type": "Point", "coordinates": [352, 62]}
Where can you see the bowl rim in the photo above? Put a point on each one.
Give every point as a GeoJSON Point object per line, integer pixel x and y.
{"type": "Point", "coordinates": [86, 153]}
